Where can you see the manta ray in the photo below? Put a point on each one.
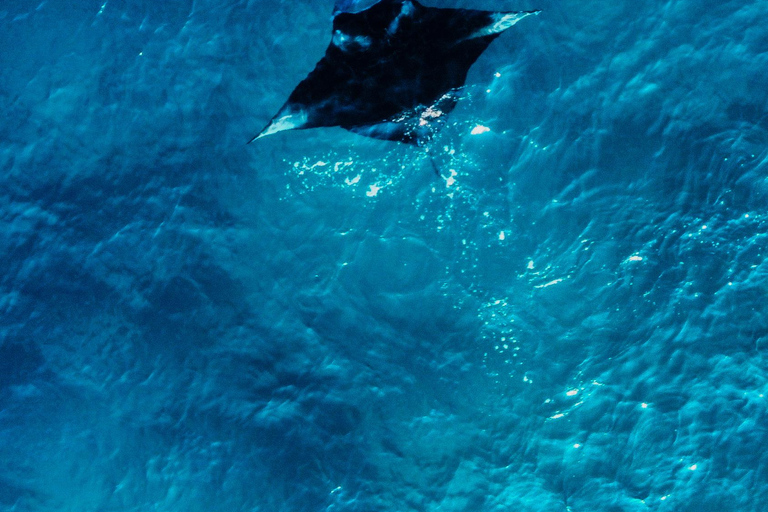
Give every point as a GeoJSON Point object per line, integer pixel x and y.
{"type": "Point", "coordinates": [393, 69]}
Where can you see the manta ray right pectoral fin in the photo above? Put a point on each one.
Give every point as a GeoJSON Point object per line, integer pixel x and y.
{"type": "Point", "coordinates": [501, 21]}
{"type": "Point", "coordinates": [287, 119]}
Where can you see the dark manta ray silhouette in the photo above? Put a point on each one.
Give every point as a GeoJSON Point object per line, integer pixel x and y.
{"type": "Point", "coordinates": [393, 70]}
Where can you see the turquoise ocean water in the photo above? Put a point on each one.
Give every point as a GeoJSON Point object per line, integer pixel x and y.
{"type": "Point", "coordinates": [572, 317]}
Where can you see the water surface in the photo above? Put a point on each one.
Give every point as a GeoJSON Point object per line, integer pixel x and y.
{"type": "Point", "coordinates": [571, 317]}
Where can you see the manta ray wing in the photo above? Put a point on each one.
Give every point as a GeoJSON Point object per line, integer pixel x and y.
{"type": "Point", "coordinates": [392, 70]}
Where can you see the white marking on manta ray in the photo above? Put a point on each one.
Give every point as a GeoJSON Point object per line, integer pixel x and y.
{"type": "Point", "coordinates": [289, 121]}
{"type": "Point", "coordinates": [405, 10]}
{"type": "Point", "coordinates": [502, 21]}
{"type": "Point", "coordinates": [344, 41]}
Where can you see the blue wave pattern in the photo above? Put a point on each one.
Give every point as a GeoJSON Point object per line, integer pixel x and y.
{"type": "Point", "coordinates": [572, 317]}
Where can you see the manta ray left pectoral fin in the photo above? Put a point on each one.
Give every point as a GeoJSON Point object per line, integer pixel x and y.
{"type": "Point", "coordinates": [287, 119]}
